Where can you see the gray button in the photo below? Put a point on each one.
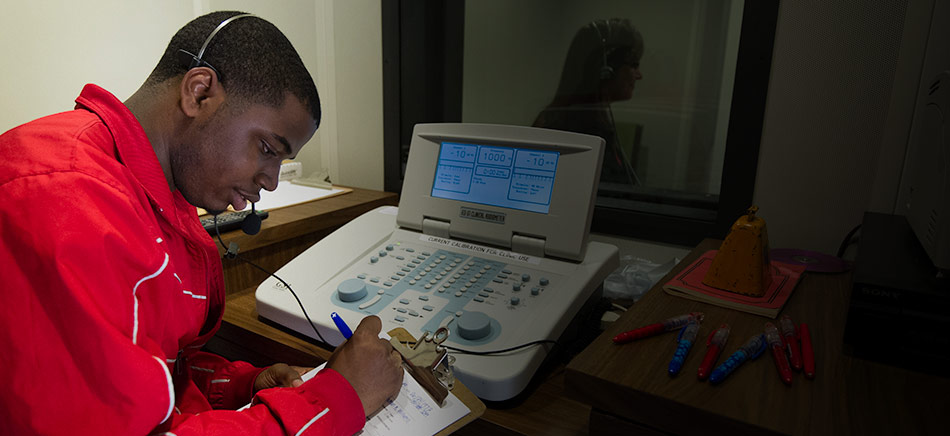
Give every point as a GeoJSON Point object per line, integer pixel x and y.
{"type": "Point", "coordinates": [543, 281]}
{"type": "Point", "coordinates": [515, 301]}
{"type": "Point", "coordinates": [399, 319]}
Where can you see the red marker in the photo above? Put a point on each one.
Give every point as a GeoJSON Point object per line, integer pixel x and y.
{"type": "Point", "coordinates": [791, 342]}
{"type": "Point", "coordinates": [657, 328]}
{"type": "Point", "coordinates": [774, 339]}
{"type": "Point", "coordinates": [715, 343]}
{"type": "Point", "coordinates": [808, 353]}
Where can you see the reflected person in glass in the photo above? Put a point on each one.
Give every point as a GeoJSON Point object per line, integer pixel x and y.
{"type": "Point", "coordinates": [602, 66]}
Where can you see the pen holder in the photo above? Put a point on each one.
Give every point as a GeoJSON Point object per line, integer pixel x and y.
{"type": "Point", "coordinates": [742, 263]}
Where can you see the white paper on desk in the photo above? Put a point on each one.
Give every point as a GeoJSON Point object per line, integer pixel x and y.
{"type": "Point", "coordinates": [288, 194]}
{"type": "Point", "coordinates": [412, 413]}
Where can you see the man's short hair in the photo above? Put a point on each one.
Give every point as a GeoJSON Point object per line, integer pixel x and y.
{"type": "Point", "coordinates": [255, 61]}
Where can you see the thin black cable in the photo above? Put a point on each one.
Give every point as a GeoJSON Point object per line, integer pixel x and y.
{"type": "Point", "coordinates": [847, 241]}
{"type": "Point", "coordinates": [236, 255]}
{"type": "Point", "coordinates": [627, 166]}
{"type": "Point", "coordinates": [516, 347]}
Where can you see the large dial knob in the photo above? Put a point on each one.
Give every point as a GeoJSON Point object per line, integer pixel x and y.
{"type": "Point", "coordinates": [351, 290]}
{"type": "Point", "coordinates": [474, 326]}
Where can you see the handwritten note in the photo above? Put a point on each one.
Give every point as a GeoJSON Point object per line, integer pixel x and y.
{"type": "Point", "coordinates": [413, 412]}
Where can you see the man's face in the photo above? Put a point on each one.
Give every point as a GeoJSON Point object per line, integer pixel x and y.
{"type": "Point", "coordinates": [229, 157]}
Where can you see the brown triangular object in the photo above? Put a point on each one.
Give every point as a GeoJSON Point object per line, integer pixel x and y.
{"type": "Point", "coordinates": [742, 263]}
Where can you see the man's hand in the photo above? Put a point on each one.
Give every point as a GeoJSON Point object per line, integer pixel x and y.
{"type": "Point", "coordinates": [280, 375]}
{"type": "Point", "coordinates": [370, 364]}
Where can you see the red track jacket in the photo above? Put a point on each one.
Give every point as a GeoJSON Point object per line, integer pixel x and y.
{"type": "Point", "coordinates": [110, 286]}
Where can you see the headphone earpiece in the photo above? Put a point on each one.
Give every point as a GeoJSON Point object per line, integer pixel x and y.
{"type": "Point", "coordinates": [606, 71]}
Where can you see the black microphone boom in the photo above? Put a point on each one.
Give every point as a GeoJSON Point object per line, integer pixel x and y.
{"type": "Point", "coordinates": [252, 222]}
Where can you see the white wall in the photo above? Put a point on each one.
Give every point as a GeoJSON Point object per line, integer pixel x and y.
{"type": "Point", "coordinates": [841, 96]}
{"type": "Point", "coordinates": [51, 48]}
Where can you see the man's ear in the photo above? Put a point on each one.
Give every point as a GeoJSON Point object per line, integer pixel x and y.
{"type": "Point", "coordinates": [200, 92]}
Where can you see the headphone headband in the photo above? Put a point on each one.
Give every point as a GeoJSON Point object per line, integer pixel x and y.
{"type": "Point", "coordinates": [190, 60]}
{"type": "Point", "coordinates": [606, 71]}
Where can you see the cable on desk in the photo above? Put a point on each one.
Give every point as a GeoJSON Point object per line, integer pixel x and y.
{"type": "Point", "coordinates": [234, 254]}
{"type": "Point", "coordinates": [516, 347]}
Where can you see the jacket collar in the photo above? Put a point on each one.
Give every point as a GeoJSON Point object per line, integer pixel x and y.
{"type": "Point", "coordinates": [133, 148]}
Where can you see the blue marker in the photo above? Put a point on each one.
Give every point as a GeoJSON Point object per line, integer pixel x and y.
{"type": "Point", "coordinates": [344, 329]}
{"type": "Point", "coordinates": [684, 342]}
{"type": "Point", "coordinates": [749, 351]}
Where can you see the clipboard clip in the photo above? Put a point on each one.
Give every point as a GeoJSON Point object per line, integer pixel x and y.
{"type": "Point", "coordinates": [429, 363]}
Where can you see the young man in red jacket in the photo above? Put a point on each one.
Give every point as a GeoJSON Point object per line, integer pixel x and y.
{"type": "Point", "coordinates": [110, 284]}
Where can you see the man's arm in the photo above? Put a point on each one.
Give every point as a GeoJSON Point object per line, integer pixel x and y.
{"type": "Point", "coordinates": [79, 266]}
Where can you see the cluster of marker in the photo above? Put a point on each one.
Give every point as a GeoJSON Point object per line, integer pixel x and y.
{"type": "Point", "coordinates": [791, 347]}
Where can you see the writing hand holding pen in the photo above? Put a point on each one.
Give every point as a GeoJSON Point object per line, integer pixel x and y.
{"type": "Point", "coordinates": [684, 342]}
{"type": "Point", "coordinates": [750, 350]}
{"type": "Point", "coordinates": [774, 339]}
{"type": "Point", "coordinates": [715, 343]}
{"type": "Point", "coordinates": [791, 342]}
{"type": "Point", "coordinates": [656, 328]}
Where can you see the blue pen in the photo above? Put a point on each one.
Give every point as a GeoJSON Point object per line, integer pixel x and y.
{"type": "Point", "coordinates": [684, 343]}
{"type": "Point", "coordinates": [749, 351]}
{"type": "Point", "coordinates": [344, 329]}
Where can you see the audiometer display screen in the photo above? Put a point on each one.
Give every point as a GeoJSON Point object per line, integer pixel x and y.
{"type": "Point", "coordinates": [514, 178]}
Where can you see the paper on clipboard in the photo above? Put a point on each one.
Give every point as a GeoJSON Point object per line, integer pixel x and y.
{"type": "Point", "coordinates": [412, 413]}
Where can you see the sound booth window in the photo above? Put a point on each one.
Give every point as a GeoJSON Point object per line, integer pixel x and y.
{"type": "Point", "coordinates": [677, 91]}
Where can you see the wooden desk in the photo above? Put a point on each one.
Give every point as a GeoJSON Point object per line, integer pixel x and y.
{"type": "Point", "coordinates": [289, 231]}
{"type": "Point", "coordinates": [285, 234]}
{"type": "Point", "coordinates": [631, 393]}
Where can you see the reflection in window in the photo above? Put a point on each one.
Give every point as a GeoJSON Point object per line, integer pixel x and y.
{"type": "Point", "coordinates": [646, 77]}
{"type": "Point", "coordinates": [659, 81]}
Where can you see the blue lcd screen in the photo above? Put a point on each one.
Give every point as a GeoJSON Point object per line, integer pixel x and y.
{"type": "Point", "coordinates": [514, 178]}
